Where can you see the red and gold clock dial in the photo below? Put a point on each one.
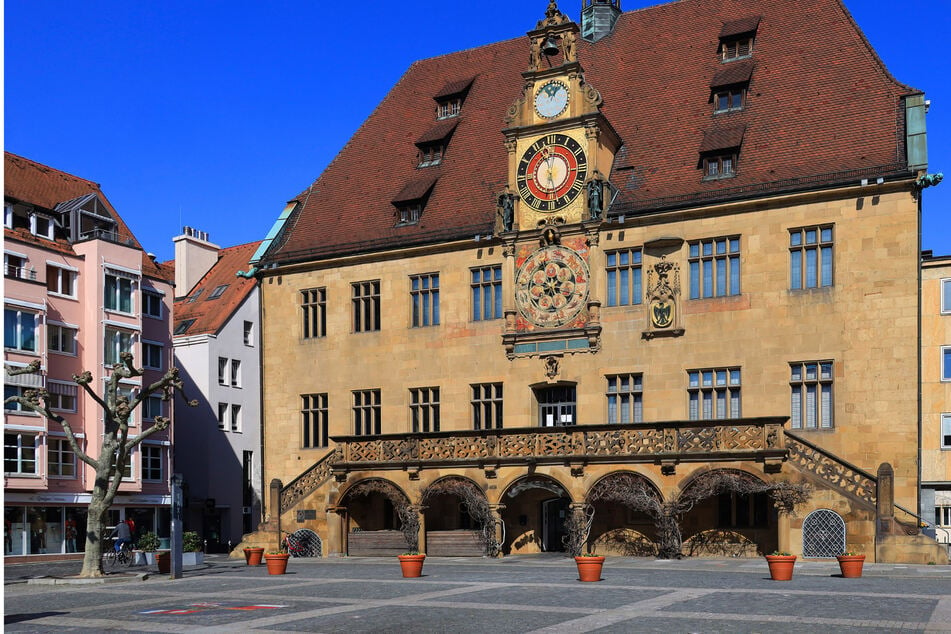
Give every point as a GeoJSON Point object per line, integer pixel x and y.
{"type": "Point", "coordinates": [552, 172]}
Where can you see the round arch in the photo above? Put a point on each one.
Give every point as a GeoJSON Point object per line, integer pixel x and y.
{"type": "Point", "coordinates": [458, 519]}
{"type": "Point", "coordinates": [372, 517]}
{"type": "Point", "coordinates": [621, 523]}
{"type": "Point", "coordinates": [536, 507]}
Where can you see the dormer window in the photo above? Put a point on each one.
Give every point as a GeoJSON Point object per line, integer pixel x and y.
{"type": "Point", "coordinates": [411, 201]}
{"type": "Point", "coordinates": [728, 100]}
{"type": "Point", "coordinates": [450, 98]}
{"type": "Point", "coordinates": [432, 145]}
{"type": "Point", "coordinates": [729, 87]}
{"type": "Point", "coordinates": [719, 152]}
{"type": "Point", "coordinates": [41, 226]}
{"type": "Point", "coordinates": [736, 38]}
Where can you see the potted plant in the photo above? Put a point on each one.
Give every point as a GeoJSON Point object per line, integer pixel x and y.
{"type": "Point", "coordinates": [780, 565]}
{"type": "Point", "coordinates": [276, 561]}
{"type": "Point", "coordinates": [411, 562]}
{"type": "Point", "coordinates": [253, 556]}
{"type": "Point", "coordinates": [850, 564]}
{"type": "Point", "coordinates": [148, 544]}
{"type": "Point", "coordinates": [163, 559]}
{"type": "Point", "coordinates": [577, 545]}
{"type": "Point", "coordinates": [192, 549]}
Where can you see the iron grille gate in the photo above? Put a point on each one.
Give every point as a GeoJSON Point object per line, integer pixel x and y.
{"type": "Point", "coordinates": [823, 534]}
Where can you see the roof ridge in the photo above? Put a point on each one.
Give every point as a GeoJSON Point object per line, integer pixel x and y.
{"type": "Point", "coordinates": [52, 169]}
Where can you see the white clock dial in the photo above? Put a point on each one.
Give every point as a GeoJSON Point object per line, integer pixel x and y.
{"type": "Point", "coordinates": [551, 99]}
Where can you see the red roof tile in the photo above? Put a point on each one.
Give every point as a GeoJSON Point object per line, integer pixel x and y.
{"type": "Point", "coordinates": [44, 187]}
{"type": "Point", "coordinates": [211, 315]}
{"type": "Point", "coordinates": [453, 87]}
{"type": "Point", "coordinates": [733, 73]}
{"type": "Point", "coordinates": [739, 27]}
{"type": "Point", "coordinates": [815, 111]}
{"type": "Point", "coordinates": [722, 138]}
{"type": "Point", "coordinates": [416, 189]}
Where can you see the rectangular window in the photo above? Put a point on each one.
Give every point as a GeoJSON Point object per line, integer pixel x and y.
{"type": "Point", "coordinates": [235, 373]}
{"type": "Point", "coordinates": [424, 293]}
{"type": "Point", "coordinates": [15, 266]}
{"type": "Point", "coordinates": [152, 407]}
{"type": "Point", "coordinates": [129, 394]}
{"type": "Point", "coordinates": [366, 413]}
{"type": "Point", "coordinates": [728, 100]}
{"type": "Point", "coordinates": [313, 412]}
{"type": "Point", "coordinates": [811, 389]}
{"type": "Point", "coordinates": [946, 363]}
{"type": "Point", "coordinates": [152, 354]}
{"type": "Point", "coordinates": [222, 371]}
{"type": "Point", "coordinates": [218, 291]}
{"type": "Point", "coordinates": [486, 288]}
{"type": "Point", "coordinates": [42, 226]}
{"type": "Point", "coordinates": [449, 108]}
{"type": "Point", "coordinates": [60, 458]}
{"type": "Point", "coordinates": [714, 267]}
{"type": "Point", "coordinates": [14, 390]}
{"type": "Point", "coordinates": [714, 393]}
{"type": "Point", "coordinates": [810, 257]}
{"type": "Point", "coordinates": [116, 342]}
{"type": "Point", "coordinates": [365, 297]}
{"type": "Point", "coordinates": [946, 431]}
{"type": "Point", "coordinates": [60, 281]}
{"type": "Point", "coordinates": [625, 398]}
{"type": "Point", "coordinates": [736, 48]}
{"type": "Point", "coordinates": [152, 304]}
{"type": "Point", "coordinates": [61, 339]}
{"type": "Point", "coordinates": [719, 166]}
{"type": "Point", "coordinates": [313, 303]}
{"type": "Point", "coordinates": [127, 469]}
{"type": "Point", "coordinates": [19, 330]}
{"type": "Point", "coordinates": [235, 418]}
{"type": "Point", "coordinates": [19, 453]}
{"type": "Point", "coordinates": [248, 333]}
{"type": "Point", "coordinates": [624, 277]}
{"type": "Point", "coordinates": [62, 395]}
{"type": "Point", "coordinates": [409, 213]}
{"type": "Point", "coordinates": [945, 296]}
{"type": "Point", "coordinates": [942, 515]}
{"type": "Point", "coordinates": [222, 415]}
{"type": "Point", "coordinates": [424, 409]}
{"type": "Point", "coordinates": [487, 406]}
{"type": "Point", "coordinates": [152, 463]}
{"type": "Point", "coordinates": [118, 294]}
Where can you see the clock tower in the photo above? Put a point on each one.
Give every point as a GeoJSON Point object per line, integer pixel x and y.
{"type": "Point", "coordinates": [560, 153]}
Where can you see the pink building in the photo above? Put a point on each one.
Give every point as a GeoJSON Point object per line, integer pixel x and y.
{"type": "Point", "coordinates": [78, 290]}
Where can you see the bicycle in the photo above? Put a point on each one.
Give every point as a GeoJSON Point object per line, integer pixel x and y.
{"type": "Point", "coordinates": [302, 543]}
{"type": "Point", "coordinates": [121, 556]}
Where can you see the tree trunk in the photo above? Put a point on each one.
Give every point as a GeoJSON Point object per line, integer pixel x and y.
{"type": "Point", "coordinates": [96, 526]}
{"type": "Point", "coordinates": [669, 536]}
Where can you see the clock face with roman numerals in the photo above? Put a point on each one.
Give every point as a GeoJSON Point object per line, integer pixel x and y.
{"type": "Point", "coordinates": [551, 173]}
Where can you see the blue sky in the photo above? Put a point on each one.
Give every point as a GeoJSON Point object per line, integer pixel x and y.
{"type": "Point", "coordinates": [213, 113]}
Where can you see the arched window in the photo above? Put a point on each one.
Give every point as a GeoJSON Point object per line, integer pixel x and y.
{"type": "Point", "coordinates": [823, 534]}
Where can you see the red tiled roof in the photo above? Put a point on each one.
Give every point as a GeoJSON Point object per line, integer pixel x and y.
{"type": "Point", "coordinates": [416, 189]}
{"type": "Point", "coordinates": [722, 138]}
{"type": "Point", "coordinates": [438, 132]}
{"type": "Point", "coordinates": [741, 26]}
{"type": "Point", "coordinates": [44, 187]}
{"type": "Point", "coordinates": [453, 87]}
{"type": "Point", "coordinates": [211, 315]}
{"type": "Point", "coordinates": [815, 111]}
{"type": "Point", "coordinates": [733, 73]}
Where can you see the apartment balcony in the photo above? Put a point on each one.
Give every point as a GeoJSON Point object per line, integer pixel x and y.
{"type": "Point", "coordinates": [666, 444]}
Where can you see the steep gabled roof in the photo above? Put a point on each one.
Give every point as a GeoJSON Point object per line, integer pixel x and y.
{"type": "Point", "coordinates": [209, 314]}
{"type": "Point", "coordinates": [821, 108]}
{"type": "Point", "coordinates": [44, 187]}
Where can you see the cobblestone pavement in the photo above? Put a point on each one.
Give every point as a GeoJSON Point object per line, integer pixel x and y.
{"type": "Point", "coordinates": [515, 594]}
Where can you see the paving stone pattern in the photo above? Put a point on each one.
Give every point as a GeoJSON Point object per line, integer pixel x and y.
{"type": "Point", "coordinates": [517, 594]}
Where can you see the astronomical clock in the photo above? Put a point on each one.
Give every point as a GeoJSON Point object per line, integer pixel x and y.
{"type": "Point", "coordinates": [560, 152]}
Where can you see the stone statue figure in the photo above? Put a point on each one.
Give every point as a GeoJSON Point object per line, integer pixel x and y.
{"type": "Point", "coordinates": [506, 209]}
{"type": "Point", "coordinates": [568, 46]}
{"type": "Point", "coordinates": [535, 54]}
{"type": "Point", "coordinates": [595, 196]}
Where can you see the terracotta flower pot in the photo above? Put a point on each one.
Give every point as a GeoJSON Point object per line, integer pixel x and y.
{"type": "Point", "coordinates": [851, 565]}
{"type": "Point", "coordinates": [276, 563]}
{"type": "Point", "coordinates": [163, 559]}
{"type": "Point", "coordinates": [781, 566]}
{"type": "Point", "coordinates": [252, 556]}
{"type": "Point", "coordinates": [589, 568]}
{"type": "Point", "coordinates": [412, 565]}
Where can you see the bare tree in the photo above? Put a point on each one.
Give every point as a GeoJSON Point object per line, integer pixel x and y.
{"type": "Point", "coordinates": [637, 494]}
{"type": "Point", "coordinates": [116, 445]}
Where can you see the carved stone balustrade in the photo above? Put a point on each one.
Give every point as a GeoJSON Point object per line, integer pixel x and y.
{"type": "Point", "coordinates": [668, 443]}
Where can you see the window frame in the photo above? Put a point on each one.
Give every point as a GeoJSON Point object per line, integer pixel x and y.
{"type": "Point", "coordinates": [59, 273]}
{"type": "Point", "coordinates": [945, 432]}
{"type": "Point", "coordinates": [424, 300]}
{"type": "Point", "coordinates": [488, 404]}
{"type": "Point", "coordinates": [734, 45]}
{"type": "Point", "coordinates": [248, 333]}
{"type": "Point", "coordinates": [235, 373]}
{"type": "Point", "coordinates": [624, 277]}
{"type": "Point", "coordinates": [223, 409]}
{"type": "Point", "coordinates": [630, 400]}
{"type": "Point", "coordinates": [236, 418]}
{"type": "Point", "coordinates": [698, 390]}
{"type": "Point", "coordinates": [365, 306]}
{"type": "Point", "coordinates": [424, 409]}
{"type": "Point", "coordinates": [71, 390]}
{"type": "Point", "coordinates": [409, 213]}
{"type": "Point", "coordinates": [818, 409]}
{"type": "Point", "coordinates": [449, 108]}
{"type": "Point", "coordinates": [217, 291]}
{"type": "Point", "coordinates": [732, 94]}
{"type": "Point", "coordinates": [485, 282]}
{"type": "Point", "coordinates": [55, 455]}
{"type": "Point", "coordinates": [21, 449]}
{"type": "Point", "coordinates": [315, 432]}
{"type": "Point", "coordinates": [799, 257]}
{"type": "Point", "coordinates": [21, 317]}
{"type": "Point", "coordinates": [223, 365]}
{"type": "Point", "coordinates": [147, 361]}
{"type": "Point", "coordinates": [55, 331]}
{"type": "Point", "coordinates": [945, 364]}
{"type": "Point", "coordinates": [366, 410]}
{"type": "Point", "coordinates": [112, 344]}
{"type": "Point", "coordinates": [147, 407]}
{"type": "Point", "coordinates": [946, 296]}
{"type": "Point", "coordinates": [112, 301]}
{"type": "Point", "coordinates": [148, 462]}
{"type": "Point", "coordinates": [313, 312]}
{"type": "Point", "coordinates": [720, 160]}
{"type": "Point", "coordinates": [148, 299]}
{"type": "Point", "coordinates": [699, 262]}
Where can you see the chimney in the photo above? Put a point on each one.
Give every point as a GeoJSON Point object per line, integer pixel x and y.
{"type": "Point", "coordinates": [194, 256]}
{"type": "Point", "coordinates": [598, 18]}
